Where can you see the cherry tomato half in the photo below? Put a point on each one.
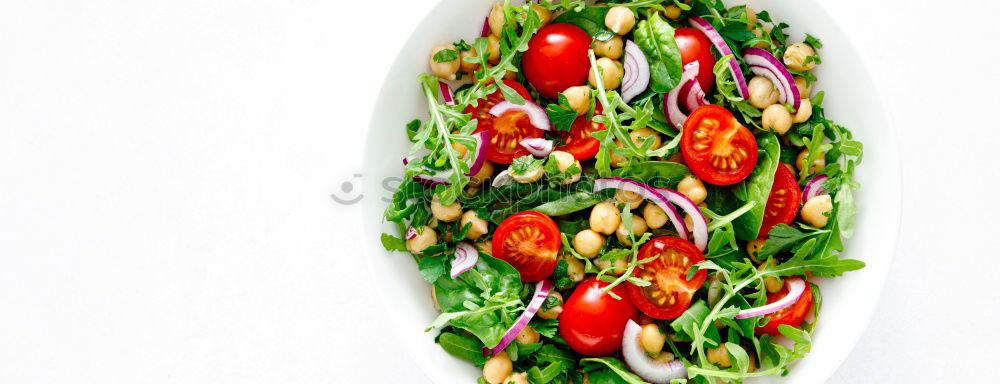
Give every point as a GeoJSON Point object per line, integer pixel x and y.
{"type": "Point", "coordinates": [793, 315]}
{"type": "Point", "coordinates": [717, 148]}
{"type": "Point", "coordinates": [694, 45]}
{"type": "Point", "coordinates": [556, 59]}
{"type": "Point", "coordinates": [530, 242]}
{"type": "Point", "coordinates": [577, 141]}
{"type": "Point", "coordinates": [669, 293]}
{"type": "Point", "coordinates": [592, 322]}
{"type": "Point", "coordinates": [783, 203]}
{"type": "Point", "coordinates": [507, 130]}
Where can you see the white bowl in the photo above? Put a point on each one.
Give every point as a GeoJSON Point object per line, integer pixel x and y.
{"type": "Point", "coordinates": [851, 100]}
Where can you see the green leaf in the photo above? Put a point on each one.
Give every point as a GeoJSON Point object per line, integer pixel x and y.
{"type": "Point", "coordinates": [562, 114]}
{"type": "Point", "coordinates": [618, 367]}
{"type": "Point", "coordinates": [482, 300]}
{"type": "Point", "coordinates": [431, 268]}
{"type": "Point", "coordinates": [465, 348]}
{"type": "Point", "coordinates": [655, 37]}
{"type": "Point", "coordinates": [663, 174]}
{"type": "Point", "coordinates": [393, 243]}
{"type": "Point", "coordinates": [590, 19]}
{"type": "Point", "coordinates": [782, 237]}
{"type": "Point", "coordinates": [758, 187]}
{"type": "Point", "coordinates": [445, 55]}
{"type": "Point", "coordinates": [570, 203]}
{"type": "Point", "coordinates": [739, 357]}
{"type": "Point", "coordinates": [523, 164]}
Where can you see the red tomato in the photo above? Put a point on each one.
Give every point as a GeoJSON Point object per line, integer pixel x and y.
{"type": "Point", "coordinates": [556, 59]}
{"type": "Point", "coordinates": [592, 322]}
{"type": "Point", "coordinates": [783, 203]}
{"type": "Point", "coordinates": [669, 293]}
{"type": "Point", "coordinates": [529, 241]}
{"type": "Point", "coordinates": [507, 130]}
{"type": "Point", "coordinates": [577, 141]}
{"type": "Point", "coordinates": [716, 147]}
{"type": "Point", "coordinates": [793, 315]}
{"type": "Point", "coordinates": [694, 45]}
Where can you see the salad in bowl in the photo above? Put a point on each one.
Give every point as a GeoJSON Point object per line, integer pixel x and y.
{"type": "Point", "coordinates": [635, 191]}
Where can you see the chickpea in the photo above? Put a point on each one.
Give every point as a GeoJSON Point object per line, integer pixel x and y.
{"type": "Point", "coordinates": [426, 237]}
{"type": "Point", "coordinates": [445, 70]}
{"type": "Point", "coordinates": [751, 18]}
{"type": "Point", "coordinates": [497, 368]}
{"type": "Point", "coordinates": [693, 188]}
{"type": "Point", "coordinates": [468, 67]}
{"type": "Point", "coordinates": [485, 172]}
{"type": "Point", "coordinates": [773, 284]}
{"type": "Point", "coordinates": [543, 13]}
{"type": "Point", "coordinates": [604, 218]}
{"type": "Point", "coordinates": [719, 356]}
{"type": "Point", "coordinates": [777, 119]}
{"type": "Point", "coordinates": [478, 226]}
{"type": "Point", "coordinates": [553, 312]}
{"type": "Point", "coordinates": [664, 357]}
{"type": "Point", "coordinates": [805, 89]}
{"type": "Point", "coordinates": [672, 12]}
{"type": "Point", "coordinates": [638, 228]}
{"type": "Point", "coordinates": [761, 44]}
{"type": "Point", "coordinates": [754, 247]}
{"type": "Point", "coordinates": [654, 215]}
{"type": "Point", "coordinates": [817, 165]}
{"type": "Point", "coordinates": [445, 213]}
{"type": "Point", "coordinates": [652, 338]}
{"type": "Point", "coordinates": [565, 160]}
{"type": "Point", "coordinates": [496, 18]}
{"type": "Point", "coordinates": [805, 111]}
{"type": "Point", "coordinates": [816, 210]}
{"type": "Point", "coordinates": [620, 20]}
{"type": "Point", "coordinates": [797, 57]}
{"type": "Point", "coordinates": [762, 92]}
{"type": "Point", "coordinates": [510, 75]}
{"type": "Point", "coordinates": [640, 135]}
{"type": "Point", "coordinates": [588, 243]}
{"type": "Point", "coordinates": [579, 98]}
{"type": "Point", "coordinates": [611, 49]}
{"type": "Point", "coordinates": [620, 265]}
{"type": "Point", "coordinates": [574, 268]}
{"type": "Point", "coordinates": [612, 73]}
{"type": "Point", "coordinates": [530, 176]}
{"type": "Point", "coordinates": [622, 197]}
{"type": "Point", "coordinates": [528, 335]}
{"type": "Point", "coordinates": [494, 48]}
{"type": "Point", "coordinates": [517, 378]}
{"type": "Point", "coordinates": [617, 160]}
{"type": "Point", "coordinates": [485, 246]}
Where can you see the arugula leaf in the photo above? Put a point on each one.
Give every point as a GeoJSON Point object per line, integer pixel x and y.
{"type": "Point", "coordinates": [431, 268]}
{"type": "Point", "coordinates": [465, 348]}
{"type": "Point", "coordinates": [784, 236]}
{"type": "Point", "coordinates": [655, 37]}
{"type": "Point", "coordinates": [618, 367]}
{"type": "Point", "coordinates": [758, 187]}
{"type": "Point", "coordinates": [393, 243]}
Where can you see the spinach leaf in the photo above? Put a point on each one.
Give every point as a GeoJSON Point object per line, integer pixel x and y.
{"type": "Point", "coordinates": [465, 348]}
{"type": "Point", "coordinates": [655, 37]}
{"type": "Point", "coordinates": [590, 19]}
{"type": "Point", "coordinates": [479, 300]}
{"type": "Point", "coordinates": [664, 174]}
{"type": "Point", "coordinates": [758, 187]}
{"type": "Point", "coordinates": [570, 203]}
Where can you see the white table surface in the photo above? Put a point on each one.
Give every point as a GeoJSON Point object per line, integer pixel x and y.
{"type": "Point", "coordinates": [165, 170]}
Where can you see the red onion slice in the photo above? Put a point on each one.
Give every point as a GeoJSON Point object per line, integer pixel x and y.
{"type": "Point", "coordinates": [653, 371]}
{"type": "Point", "coordinates": [541, 292]}
{"type": "Point", "coordinates": [648, 193]}
{"type": "Point", "coordinates": [466, 257]}
{"type": "Point", "coordinates": [698, 220]}
{"type": "Point", "coordinates": [763, 63]}
{"type": "Point", "coordinates": [720, 44]}
{"type": "Point", "coordinates": [814, 188]}
{"type": "Point", "coordinates": [535, 113]}
{"type": "Point", "coordinates": [410, 233]}
{"type": "Point", "coordinates": [692, 95]}
{"type": "Point", "coordinates": [673, 111]}
{"type": "Point", "coordinates": [486, 27]}
{"type": "Point", "coordinates": [636, 72]}
{"type": "Point", "coordinates": [446, 94]}
{"type": "Point", "coordinates": [796, 286]}
{"type": "Point", "coordinates": [441, 177]}
{"type": "Point", "coordinates": [539, 147]}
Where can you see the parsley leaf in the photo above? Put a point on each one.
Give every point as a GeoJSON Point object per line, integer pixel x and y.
{"type": "Point", "coordinates": [562, 114]}
{"type": "Point", "coordinates": [446, 55]}
{"type": "Point", "coordinates": [523, 164]}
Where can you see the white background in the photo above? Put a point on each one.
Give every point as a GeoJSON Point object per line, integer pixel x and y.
{"type": "Point", "coordinates": [165, 170]}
